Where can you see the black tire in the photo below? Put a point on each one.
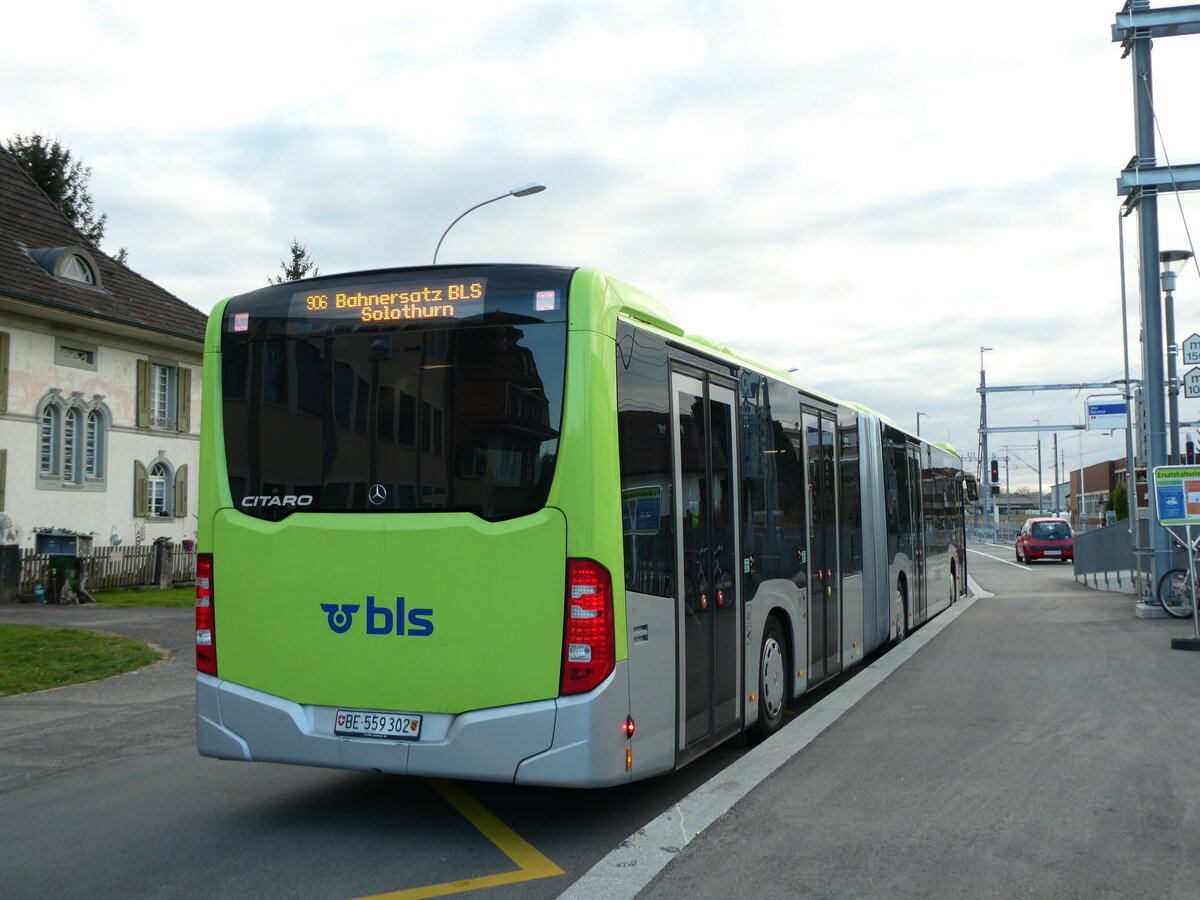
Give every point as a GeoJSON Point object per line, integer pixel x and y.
{"type": "Point", "coordinates": [1027, 560]}
{"type": "Point", "coordinates": [900, 613]}
{"type": "Point", "coordinates": [773, 672]}
{"type": "Point", "coordinates": [1173, 594]}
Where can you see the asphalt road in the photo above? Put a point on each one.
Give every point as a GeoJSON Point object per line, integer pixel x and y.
{"type": "Point", "coordinates": [102, 795]}
{"type": "Point", "coordinates": [1042, 745]}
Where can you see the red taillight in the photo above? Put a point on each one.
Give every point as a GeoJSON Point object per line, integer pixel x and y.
{"type": "Point", "coordinates": [589, 650]}
{"type": "Point", "coordinates": [206, 635]}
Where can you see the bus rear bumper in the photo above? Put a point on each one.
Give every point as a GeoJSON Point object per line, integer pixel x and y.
{"type": "Point", "coordinates": [509, 743]}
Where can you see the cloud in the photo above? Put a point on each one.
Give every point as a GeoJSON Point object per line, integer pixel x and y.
{"type": "Point", "coordinates": [869, 199]}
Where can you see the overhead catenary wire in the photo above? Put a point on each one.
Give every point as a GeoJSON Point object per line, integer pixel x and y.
{"type": "Point", "coordinates": [1170, 170]}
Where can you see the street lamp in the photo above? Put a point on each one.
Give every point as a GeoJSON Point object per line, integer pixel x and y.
{"type": "Point", "coordinates": [1172, 262]}
{"type": "Point", "coordinates": [926, 415]}
{"type": "Point", "coordinates": [523, 191]}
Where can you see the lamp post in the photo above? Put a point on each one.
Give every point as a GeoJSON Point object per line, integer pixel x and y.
{"type": "Point", "coordinates": [926, 415]}
{"type": "Point", "coordinates": [1172, 261]}
{"type": "Point", "coordinates": [983, 448]}
{"type": "Point", "coordinates": [523, 191]}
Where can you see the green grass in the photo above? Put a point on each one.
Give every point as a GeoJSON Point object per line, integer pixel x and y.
{"type": "Point", "coordinates": [172, 598]}
{"type": "Point", "coordinates": [33, 657]}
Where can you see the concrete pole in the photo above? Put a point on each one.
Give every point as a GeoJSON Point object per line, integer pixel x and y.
{"type": "Point", "coordinates": [1055, 488]}
{"type": "Point", "coordinates": [1130, 457]}
{"type": "Point", "coordinates": [986, 464]}
{"type": "Point", "coordinates": [1152, 320]}
{"type": "Point", "coordinates": [1040, 489]}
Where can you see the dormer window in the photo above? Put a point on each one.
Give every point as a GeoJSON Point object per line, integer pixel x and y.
{"type": "Point", "coordinates": [73, 264]}
{"type": "Point", "coordinates": [76, 268]}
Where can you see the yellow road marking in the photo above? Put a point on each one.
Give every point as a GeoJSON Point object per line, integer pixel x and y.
{"type": "Point", "coordinates": [530, 863]}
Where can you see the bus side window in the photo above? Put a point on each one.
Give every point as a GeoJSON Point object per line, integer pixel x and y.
{"type": "Point", "coordinates": [644, 448]}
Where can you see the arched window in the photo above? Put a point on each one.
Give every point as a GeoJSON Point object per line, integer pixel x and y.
{"type": "Point", "coordinates": [72, 438]}
{"type": "Point", "coordinates": [73, 264]}
{"type": "Point", "coordinates": [51, 440]}
{"type": "Point", "coordinates": [93, 447]}
{"type": "Point", "coordinates": [71, 442]}
{"type": "Point", "coordinates": [159, 489]}
{"type": "Point", "coordinates": [76, 268]}
{"type": "Point", "coordinates": [160, 476]}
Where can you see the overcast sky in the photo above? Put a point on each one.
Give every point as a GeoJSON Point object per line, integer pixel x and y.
{"type": "Point", "coordinates": [867, 192]}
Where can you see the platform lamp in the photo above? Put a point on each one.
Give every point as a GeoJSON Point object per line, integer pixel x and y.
{"type": "Point", "coordinates": [1172, 262]}
{"type": "Point", "coordinates": [523, 191]}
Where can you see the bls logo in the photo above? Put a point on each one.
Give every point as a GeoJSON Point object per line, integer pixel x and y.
{"type": "Point", "coordinates": [380, 619]}
{"type": "Point", "coordinates": [340, 619]}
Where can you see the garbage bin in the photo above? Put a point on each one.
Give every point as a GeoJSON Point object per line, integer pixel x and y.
{"type": "Point", "coordinates": [65, 566]}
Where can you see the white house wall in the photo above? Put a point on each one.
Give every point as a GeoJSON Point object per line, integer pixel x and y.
{"type": "Point", "coordinates": [107, 511]}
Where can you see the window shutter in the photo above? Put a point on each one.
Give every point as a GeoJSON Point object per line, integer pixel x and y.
{"type": "Point", "coordinates": [183, 406]}
{"type": "Point", "coordinates": [143, 393]}
{"type": "Point", "coordinates": [181, 492]}
{"type": "Point", "coordinates": [3, 371]}
{"type": "Point", "coordinates": [141, 490]}
{"type": "Point", "coordinates": [3, 474]}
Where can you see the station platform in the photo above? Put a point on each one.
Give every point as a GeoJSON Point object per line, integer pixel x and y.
{"type": "Point", "coordinates": [1039, 739]}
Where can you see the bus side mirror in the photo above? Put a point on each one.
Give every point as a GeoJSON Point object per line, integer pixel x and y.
{"type": "Point", "coordinates": [971, 494]}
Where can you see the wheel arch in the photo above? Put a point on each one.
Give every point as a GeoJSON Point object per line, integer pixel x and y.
{"type": "Point", "coordinates": [784, 619]}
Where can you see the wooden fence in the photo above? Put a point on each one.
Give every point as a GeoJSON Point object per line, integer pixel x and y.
{"type": "Point", "coordinates": [151, 565]}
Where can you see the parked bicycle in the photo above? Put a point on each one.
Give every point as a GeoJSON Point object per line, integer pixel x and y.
{"type": "Point", "coordinates": [1176, 592]}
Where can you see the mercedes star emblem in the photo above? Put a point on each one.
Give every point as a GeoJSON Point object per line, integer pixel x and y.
{"type": "Point", "coordinates": [377, 494]}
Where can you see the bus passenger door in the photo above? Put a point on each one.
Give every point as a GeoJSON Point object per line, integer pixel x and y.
{"type": "Point", "coordinates": [920, 592]}
{"type": "Point", "coordinates": [708, 615]}
{"type": "Point", "coordinates": [825, 604]}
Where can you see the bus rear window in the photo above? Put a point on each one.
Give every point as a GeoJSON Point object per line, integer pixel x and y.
{"type": "Point", "coordinates": [454, 412]}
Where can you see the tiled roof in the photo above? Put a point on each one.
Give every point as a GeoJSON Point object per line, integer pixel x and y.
{"type": "Point", "coordinates": [29, 220]}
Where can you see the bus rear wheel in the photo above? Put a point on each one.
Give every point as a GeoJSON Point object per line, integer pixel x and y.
{"type": "Point", "coordinates": [773, 670]}
{"type": "Point", "coordinates": [900, 613]}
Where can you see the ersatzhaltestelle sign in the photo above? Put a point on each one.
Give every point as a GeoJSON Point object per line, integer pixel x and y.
{"type": "Point", "coordinates": [1177, 492]}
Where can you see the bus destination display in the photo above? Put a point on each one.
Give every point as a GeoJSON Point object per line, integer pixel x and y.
{"type": "Point", "coordinates": [395, 302]}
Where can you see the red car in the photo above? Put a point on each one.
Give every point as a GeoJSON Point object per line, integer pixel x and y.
{"type": "Point", "coordinates": [1045, 538]}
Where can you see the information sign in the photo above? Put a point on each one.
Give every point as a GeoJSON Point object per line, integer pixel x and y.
{"type": "Point", "coordinates": [1105, 415]}
{"type": "Point", "coordinates": [1177, 491]}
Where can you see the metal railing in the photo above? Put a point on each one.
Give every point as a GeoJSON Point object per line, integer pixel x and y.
{"type": "Point", "coordinates": [1109, 554]}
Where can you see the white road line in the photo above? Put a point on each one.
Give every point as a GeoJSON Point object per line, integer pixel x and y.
{"type": "Point", "coordinates": [1007, 562]}
{"type": "Point", "coordinates": [641, 856]}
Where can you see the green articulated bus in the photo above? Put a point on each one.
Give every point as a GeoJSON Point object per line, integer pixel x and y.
{"type": "Point", "coordinates": [512, 523]}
